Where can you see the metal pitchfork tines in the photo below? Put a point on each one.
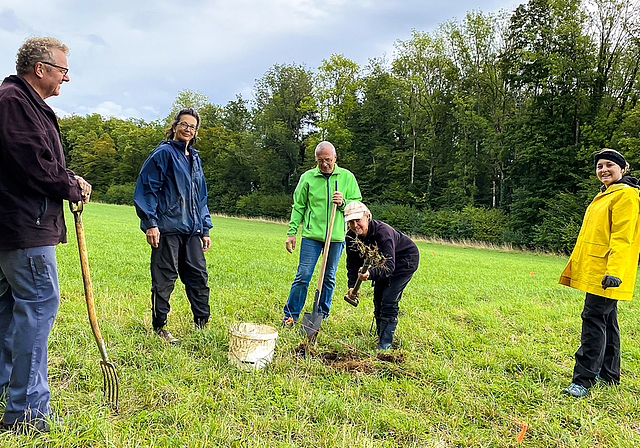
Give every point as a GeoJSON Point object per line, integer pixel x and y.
{"type": "Point", "coordinates": [110, 376]}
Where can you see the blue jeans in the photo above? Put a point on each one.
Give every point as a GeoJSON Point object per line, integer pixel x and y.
{"type": "Point", "coordinates": [29, 299]}
{"type": "Point", "coordinates": [310, 251]}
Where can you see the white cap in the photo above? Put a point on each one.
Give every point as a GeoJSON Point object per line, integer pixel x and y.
{"type": "Point", "coordinates": [355, 210]}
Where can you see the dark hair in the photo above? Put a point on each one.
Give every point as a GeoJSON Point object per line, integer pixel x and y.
{"type": "Point", "coordinates": [170, 133]}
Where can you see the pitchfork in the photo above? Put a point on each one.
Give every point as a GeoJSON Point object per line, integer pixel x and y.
{"type": "Point", "coordinates": [110, 376]}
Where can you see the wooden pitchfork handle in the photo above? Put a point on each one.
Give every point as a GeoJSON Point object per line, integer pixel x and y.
{"type": "Point", "coordinates": [111, 385]}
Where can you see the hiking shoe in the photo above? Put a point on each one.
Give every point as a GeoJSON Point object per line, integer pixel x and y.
{"type": "Point", "coordinates": [605, 383]}
{"type": "Point", "coordinates": [575, 391]}
{"type": "Point", "coordinates": [164, 334]}
{"type": "Point", "coordinates": [288, 322]}
{"type": "Point", "coordinates": [35, 426]}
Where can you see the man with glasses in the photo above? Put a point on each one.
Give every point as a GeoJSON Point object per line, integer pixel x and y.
{"type": "Point", "coordinates": [313, 199]}
{"type": "Point", "coordinates": [33, 183]}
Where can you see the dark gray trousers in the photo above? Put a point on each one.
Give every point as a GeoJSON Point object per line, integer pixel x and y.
{"type": "Point", "coordinates": [178, 255]}
{"type": "Point", "coordinates": [387, 293]}
{"type": "Point", "coordinates": [599, 352]}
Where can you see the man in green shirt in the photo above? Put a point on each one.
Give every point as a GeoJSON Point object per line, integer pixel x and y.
{"type": "Point", "coordinates": [317, 190]}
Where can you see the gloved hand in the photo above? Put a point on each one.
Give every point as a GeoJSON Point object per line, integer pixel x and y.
{"type": "Point", "coordinates": [609, 281]}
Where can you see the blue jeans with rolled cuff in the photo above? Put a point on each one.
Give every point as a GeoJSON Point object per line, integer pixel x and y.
{"type": "Point", "coordinates": [29, 299]}
{"type": "Point", "coordinates": [310, 251]}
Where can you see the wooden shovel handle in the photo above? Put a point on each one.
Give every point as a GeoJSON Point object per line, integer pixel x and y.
{"type": "Point", "coordinates": [327, 245]}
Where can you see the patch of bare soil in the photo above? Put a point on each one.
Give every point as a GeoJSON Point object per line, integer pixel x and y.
{"type": "Point", "coordinates": [350, 362]}
{"type": "Point", "coordinates": [393, 358]}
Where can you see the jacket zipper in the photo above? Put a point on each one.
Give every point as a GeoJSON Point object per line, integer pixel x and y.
{"type": "Point", "coordinates": [43, 210]}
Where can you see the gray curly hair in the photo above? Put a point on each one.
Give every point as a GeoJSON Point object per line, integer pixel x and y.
{"type": "Point", "coordinates": [37, 49]}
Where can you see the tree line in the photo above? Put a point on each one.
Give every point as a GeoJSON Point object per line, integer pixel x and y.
{"type": "Point", "coordinates": [484, 128]}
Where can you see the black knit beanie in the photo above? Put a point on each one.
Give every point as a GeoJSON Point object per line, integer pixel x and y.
{"type": "Point", "coordinates": [613, 156]}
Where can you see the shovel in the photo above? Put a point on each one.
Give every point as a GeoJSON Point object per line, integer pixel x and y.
{"type": "Point", "coordinates": [110, 376]}
{"type": "Point", "coordinates": [311, 321]}
{"type": "Point", "coordinates": [356, 287]}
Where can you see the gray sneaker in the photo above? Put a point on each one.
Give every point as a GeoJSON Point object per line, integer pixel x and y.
{"type": "Point", "coordinates": [575, 391]}
{"type": "Point", "coordinates": [164, 334]}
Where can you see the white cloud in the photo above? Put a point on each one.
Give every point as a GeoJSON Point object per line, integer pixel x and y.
{"type": "Point", "coordinates": [132, 58]}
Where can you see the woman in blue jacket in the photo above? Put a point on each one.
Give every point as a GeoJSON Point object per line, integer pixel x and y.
{"type": "Point", "coordinates": [171, 201]}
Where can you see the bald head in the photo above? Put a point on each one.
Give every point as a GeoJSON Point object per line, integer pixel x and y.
{"type": "Point", "coordinates": [322, 146]}
{"type": "Point", "coordinates": [326, 157]}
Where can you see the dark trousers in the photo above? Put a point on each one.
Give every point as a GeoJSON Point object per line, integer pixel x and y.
{"type": "Point", "coordinates": [387, 293]}
{"type": "Point", "coordinates": [178, 255]}
{"type": "Point", "coordinates": [599, 352]}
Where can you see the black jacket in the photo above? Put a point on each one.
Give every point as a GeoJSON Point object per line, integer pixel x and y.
{"type": "Point", "coordinates": [33, 177]}
{"type": "Point", "coordinates": [401, 253]}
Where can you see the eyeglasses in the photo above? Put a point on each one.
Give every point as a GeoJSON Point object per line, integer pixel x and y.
{"type": "Point", "coordinates": [187, 125]}
{"type": "Point", "coordinates": [63, 70]}
{"type": "Point", "coordinates": [327, 161]}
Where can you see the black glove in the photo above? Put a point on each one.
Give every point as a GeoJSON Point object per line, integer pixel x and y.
{"type": "Point", "coordinates": [608, 281]}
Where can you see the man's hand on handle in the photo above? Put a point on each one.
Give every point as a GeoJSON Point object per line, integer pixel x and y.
{"type": "Point", "coordinates": [337, 198]}
{"type": "Point", "coordinates": [85, 188]}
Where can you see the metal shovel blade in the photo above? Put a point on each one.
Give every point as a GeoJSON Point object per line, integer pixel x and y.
{"type": "Point", "coordinates": [311, 323]}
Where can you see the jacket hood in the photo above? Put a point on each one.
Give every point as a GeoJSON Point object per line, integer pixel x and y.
{"type": "Point", "coordinates": [627, 180]}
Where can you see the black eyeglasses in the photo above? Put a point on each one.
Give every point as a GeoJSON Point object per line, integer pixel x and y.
{"type": "Point", "coordinates": [63, 70]}
{"type": "Point", "coordinates": [187, 125]}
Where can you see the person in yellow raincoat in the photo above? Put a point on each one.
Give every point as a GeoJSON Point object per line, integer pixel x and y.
{"type": "Point", "coordinates": [603, 264]}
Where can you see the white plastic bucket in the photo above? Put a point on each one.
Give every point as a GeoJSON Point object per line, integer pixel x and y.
{"type": "Point", "coordinates": [251, 346]}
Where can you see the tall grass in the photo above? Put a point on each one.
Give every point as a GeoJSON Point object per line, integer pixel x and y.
{"type": "Point", "coordinates": [485, 340]}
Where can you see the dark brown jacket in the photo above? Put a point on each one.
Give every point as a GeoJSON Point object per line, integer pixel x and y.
{"type": "Point", "coordinates": [33, 177]}
{"type": "Point", "coordinates": [401, 253]}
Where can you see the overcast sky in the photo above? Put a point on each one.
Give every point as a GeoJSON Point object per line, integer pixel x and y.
{"type": "Point", "coordinates": [131, 58]}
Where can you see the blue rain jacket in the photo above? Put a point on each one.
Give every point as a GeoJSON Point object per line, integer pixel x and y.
{"type": "Point", "coordinates": [171, 192]}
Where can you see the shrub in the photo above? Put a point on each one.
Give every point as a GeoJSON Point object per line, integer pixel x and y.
{"type": "Point", "coordinates": [404, 218]}
{"type": "Point", "coordinates": [486, 224]}
{"type": "Point", "coordinates": [119, 194]}
{"type": "Point", "coordinates": [561, 220]}
{"type": "Point", "coordinates": [270, 206]}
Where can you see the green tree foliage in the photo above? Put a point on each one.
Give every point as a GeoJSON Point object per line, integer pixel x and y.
{"type": "Point", "coordinates": [282, 118]}
{"type": "Point", "coordinates": [484, 128]}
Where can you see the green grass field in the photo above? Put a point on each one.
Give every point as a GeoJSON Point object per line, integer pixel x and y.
{"type": "Point", "coordinates": [485, 340]}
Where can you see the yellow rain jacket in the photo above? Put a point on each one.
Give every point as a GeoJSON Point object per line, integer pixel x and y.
{"type": "Point", "coordinates": [608, 244]}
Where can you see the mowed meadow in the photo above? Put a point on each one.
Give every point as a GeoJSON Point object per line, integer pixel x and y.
{"type": "Point", "coordinates": [485, 343]}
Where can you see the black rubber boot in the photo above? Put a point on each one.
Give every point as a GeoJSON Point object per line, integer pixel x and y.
{"type": "Point", "coordinates": [387, 329]}
{"type": "Point", "coordinates": [376, 322]}
{"type": "Point", "coordinates": [200, 323]}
